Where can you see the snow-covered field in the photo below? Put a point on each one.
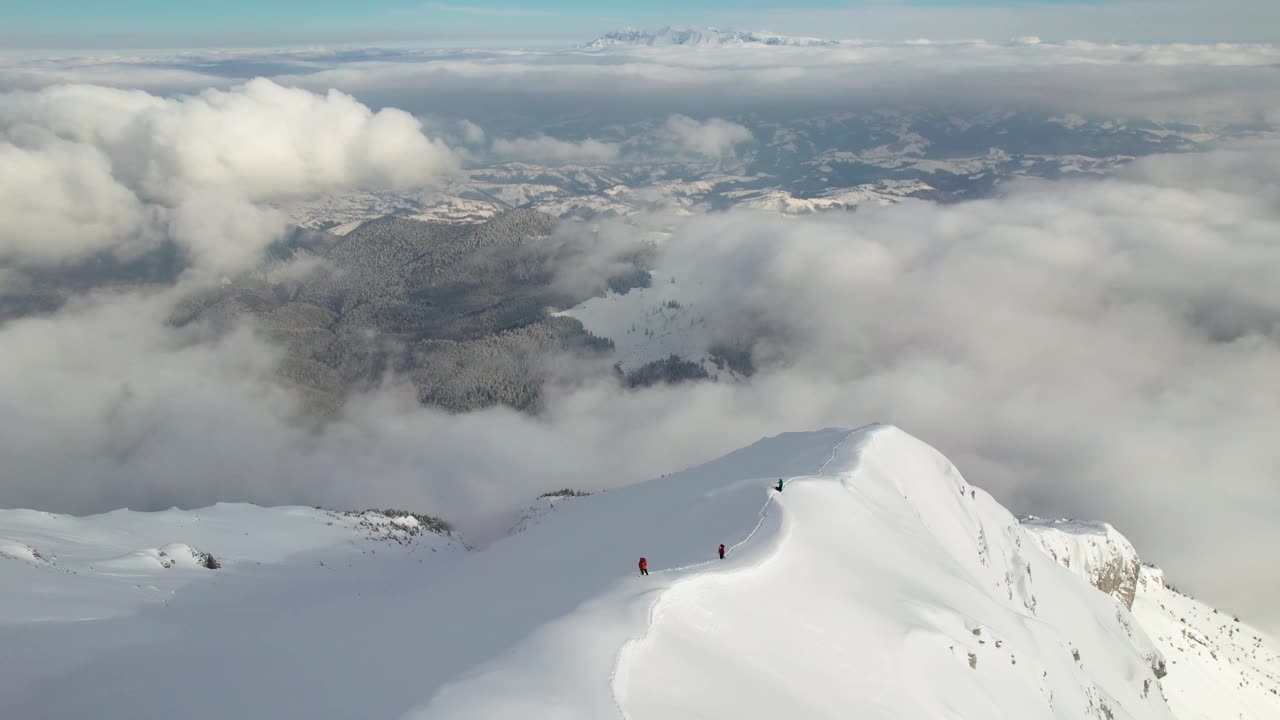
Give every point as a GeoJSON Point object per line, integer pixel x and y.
{"type": "Point", "coordinates": [879, 584]}
{"type": "Point", "coordinates": [647, 324]}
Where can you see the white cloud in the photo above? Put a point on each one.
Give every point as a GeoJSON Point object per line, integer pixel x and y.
{"type": "Point", "coordinates": [90, 168]}
{"type": "Point", "coordinates": [713, 137]}
{"type": "Point", "coordinates": [58, 199]}
{"type": "Point", "coordinates": [1175, 80]}
{"type": "Point", "coordinates": [544, 148]}
{"type": "Point", "coordinates": [1137, 21]}
{"type": "Point", "coordinates": [472, 134]}
{"type": "Point", "coordinates": [205, 224]}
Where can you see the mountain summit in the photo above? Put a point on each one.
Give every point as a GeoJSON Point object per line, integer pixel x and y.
{"type": "Point", "coordinates": [877, 582]}
{"type": "Point", "coordinates": [700, 37]}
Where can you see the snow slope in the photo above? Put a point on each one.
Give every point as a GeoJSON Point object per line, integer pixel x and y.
{"type": "Point", "coordinates": [1218, 667]}
{"type": "Point", "coordinates": [880, 584]}
{"type": "Point", "coordinates": [894, 590]}
{"type": "Point", "coordinates": [106, 566]}
{"type": "Point", "coordinates": [647, 324]}
{"type": "Point", "coordinates": [99, 627]}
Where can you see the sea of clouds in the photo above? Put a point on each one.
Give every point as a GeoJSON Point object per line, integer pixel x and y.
{"type": "Point", "coordinates": [1095, 348]}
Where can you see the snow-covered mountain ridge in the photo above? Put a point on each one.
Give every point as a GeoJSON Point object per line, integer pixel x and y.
{"type": "Point", "coordinates": [878, 584]}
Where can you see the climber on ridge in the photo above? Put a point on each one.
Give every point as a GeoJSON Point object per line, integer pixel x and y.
{"type": "Point", "coordinates": [721, 551]}
{"type": "Point", "coordinates": [779, 484]}
{"type": "Point", "coordinates": [644, 566]}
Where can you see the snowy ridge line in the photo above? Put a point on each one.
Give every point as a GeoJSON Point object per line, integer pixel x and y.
{"type": "Point", "coordinates": [660, 592]}
{"type": "Point", "coordinates": [617, 658]}
{"type": "Point", "coordinates": [764, 511]}
{"type": "Point", "coordinates": [713, 647]}
{"type": "Point", "coordinates": [835, 451]}
{"type": "Point", "coordinates": [659, 596]}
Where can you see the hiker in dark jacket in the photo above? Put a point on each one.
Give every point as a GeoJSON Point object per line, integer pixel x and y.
{"type": "Point", "coordinates": [721, 551]}
{"type": "Point", "coordinates": [779, 484]}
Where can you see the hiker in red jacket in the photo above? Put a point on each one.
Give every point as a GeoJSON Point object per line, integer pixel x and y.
{"type": "Point", "coordinates": [721, 551]}
{"type": "Point", "coordinates": [644, 566]}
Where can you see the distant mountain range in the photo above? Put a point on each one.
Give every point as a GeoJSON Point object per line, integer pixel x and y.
{"type": "Point", "coordinates": [702, 37]}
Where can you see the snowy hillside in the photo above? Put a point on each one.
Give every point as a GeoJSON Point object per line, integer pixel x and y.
{"type": "Point", "coordinates": [61, 568]}
{"type": "Point", "coordinates": [699, 37]}
{"type": "Point", "coordinates": [1217, 667]}
{"type": "Point", "coordinates": [878, 584]}
{"type": "Point", "coordinates": [647, 324]}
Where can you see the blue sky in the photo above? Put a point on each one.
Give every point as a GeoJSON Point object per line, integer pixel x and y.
{"type": "Point", "coordinates": [183, 23]}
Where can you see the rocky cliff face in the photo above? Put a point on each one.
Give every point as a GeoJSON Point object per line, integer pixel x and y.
{"type": "Point", "coordinates": [1092, 550]}
{"type": "Point", "coordinates": [1216, 666]}
{"type": "Point", "coordinates": [1210, 664]}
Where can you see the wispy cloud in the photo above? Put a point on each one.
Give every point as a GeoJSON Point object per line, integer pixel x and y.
{"type": "Point", "coordinates": [502, 12]}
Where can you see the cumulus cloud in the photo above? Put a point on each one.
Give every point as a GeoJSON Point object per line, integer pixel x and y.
{"type": "Point", "coordinates": [89, 168]}
{"type": "Point", "coordinates": [206, 223]}
{"type": "Point", "coordinates": [548, 149]}
{"type": "Point", "coordinates": [261, 138]}
{"type": "Point", "coordinates": [472, 134]}
{"type": "Point", "coordinates": [713, 137]}
{"type": "Point", "coordinates": [59, 199]}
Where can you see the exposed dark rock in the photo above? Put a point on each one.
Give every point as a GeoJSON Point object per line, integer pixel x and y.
{"type": "Point", "coordinates": [564, 492]}
{"type": "Point", "coordinates": [736, 357]}
{"type": "Point", "coordinates": [673, 369]}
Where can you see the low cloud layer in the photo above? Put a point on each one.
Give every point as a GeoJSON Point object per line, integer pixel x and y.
{"type": "Point", "coordinates": [524, 91]}
{"type": "Point", "coordinates": [713, 138]}
{"type": "Point", "coordinates": [86, 169]}
{"type": "Point", "coordinates": [1131, 20]}
{"type": "Point", "coordinates": [551, 150]}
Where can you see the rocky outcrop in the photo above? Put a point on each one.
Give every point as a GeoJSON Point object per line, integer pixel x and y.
{"type": "Point", "coordinates": [1093, 550]}
{"type": "Point", "coordinates": [668, 371]}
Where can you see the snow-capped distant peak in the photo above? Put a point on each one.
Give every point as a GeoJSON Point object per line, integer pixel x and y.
{"type": "Point", "coordinates": [700, 37]}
